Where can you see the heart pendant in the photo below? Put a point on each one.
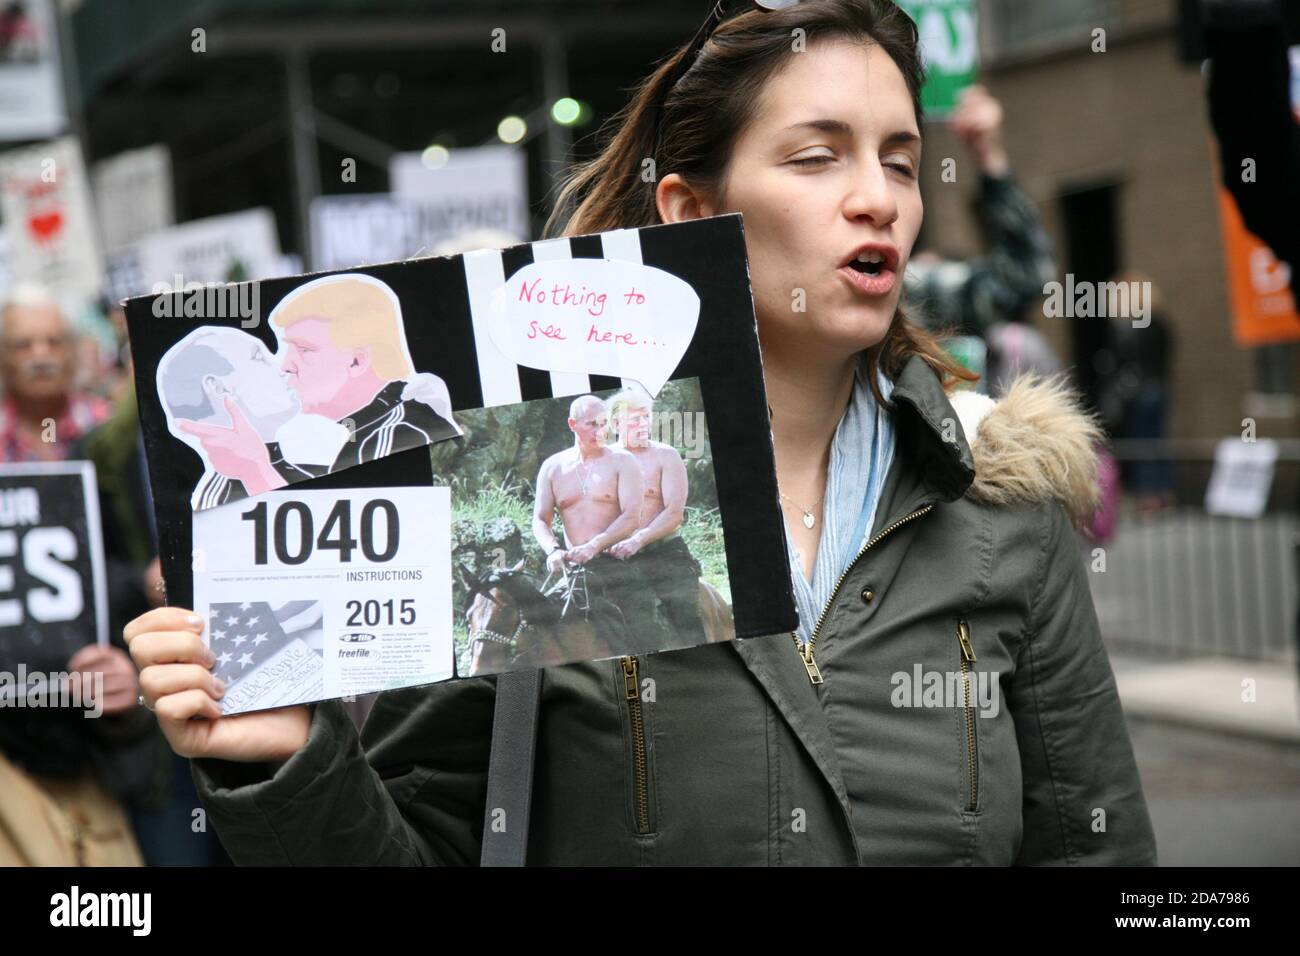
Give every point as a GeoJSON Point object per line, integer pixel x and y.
{"type": "Point", "coordinates": [808, 519]}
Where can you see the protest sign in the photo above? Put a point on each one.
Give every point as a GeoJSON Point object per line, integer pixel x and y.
{"type": "Point", "coordinates": [472, 189]}
{"type": "Point", "coordinates": [46, 209]}
{"type": "Point", "coordinates": [1259, 284]}
{"type": "Point", "coordinates": [53, 597]}
{"type": "Point", "coordinates": [215, 249]}
{"type": "Point", "coordinates": [347, 230]}
{"type": "Point", "coordinates": [1242, 478]}
{"type": "Point", "coordinates": [133, 195]}
{"type": "Point", "coordinates": [31, 89]}
{"type": "Point", "coordinates": [949, 49]}
{"type": "Point", "coordinates": [591, 407]}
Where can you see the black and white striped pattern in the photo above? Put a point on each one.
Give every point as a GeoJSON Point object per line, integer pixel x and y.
{"type": "Point", "coordinates": [214, 490]}
{"type": "Point", "coordinates": [380, 443]}
{"type": "Point", "coordinates": [503, 382]}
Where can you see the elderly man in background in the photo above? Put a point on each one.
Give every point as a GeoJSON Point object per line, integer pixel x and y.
{"type": "Point", "coordinates": [57, 769]}
{"type": "Point", "coordinates": [41, 415]}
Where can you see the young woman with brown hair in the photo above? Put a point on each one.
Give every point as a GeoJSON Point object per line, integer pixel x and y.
{"type": "Point", "coordinates": [931, 550]}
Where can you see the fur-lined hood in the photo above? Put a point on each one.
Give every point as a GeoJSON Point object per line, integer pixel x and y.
{"type": "Point", "coordinates": [1034, 444]}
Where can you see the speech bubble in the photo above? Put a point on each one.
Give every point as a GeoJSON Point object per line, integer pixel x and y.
{"type": "Point", "coordinates": [599, 316]}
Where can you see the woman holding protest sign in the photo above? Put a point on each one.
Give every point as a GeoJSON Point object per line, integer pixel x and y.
{"type": "Point", "coordinates": [947, 698]}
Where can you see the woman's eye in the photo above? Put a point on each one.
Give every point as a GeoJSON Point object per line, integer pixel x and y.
{"type": "Point", "coordinates": [812, 160]}
{"type": "Point", "coordinates": [903, 167]}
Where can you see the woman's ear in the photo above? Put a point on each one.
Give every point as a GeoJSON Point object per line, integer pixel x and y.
{"type": "Point", "coordinates": [678, 202]}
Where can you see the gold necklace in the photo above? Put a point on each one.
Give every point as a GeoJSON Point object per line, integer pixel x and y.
{"type": "Point", "coordinates": [808, 519]}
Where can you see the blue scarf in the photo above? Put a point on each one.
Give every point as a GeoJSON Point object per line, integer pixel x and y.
{"type": "Point", "coordinates": [861, 453]}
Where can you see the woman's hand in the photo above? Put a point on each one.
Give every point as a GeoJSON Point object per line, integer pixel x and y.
{"type": "Point", "coordinates": [180, 688]}
{"type": "Point", "coordinates": [155, 589]}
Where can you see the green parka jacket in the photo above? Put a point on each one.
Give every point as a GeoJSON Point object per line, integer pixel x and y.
{"type": "Point", "coordinates": [968, 713]}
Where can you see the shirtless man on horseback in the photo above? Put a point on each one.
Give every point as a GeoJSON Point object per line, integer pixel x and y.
{"type": "Point", "coordinates": [656, 551]}
{"type": "Point", "coordinates": [597, 488]}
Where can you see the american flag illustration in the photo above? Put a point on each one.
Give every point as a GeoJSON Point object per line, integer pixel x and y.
{"type": "Point", "coordinates": [244, 634]}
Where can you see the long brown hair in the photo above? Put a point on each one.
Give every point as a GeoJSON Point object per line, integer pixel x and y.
{"type": "Point", "coordinates": [689, 126]}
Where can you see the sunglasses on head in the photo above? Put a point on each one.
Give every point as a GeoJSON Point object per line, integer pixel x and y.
{"type": "Point", "coordinates": [716, 15]}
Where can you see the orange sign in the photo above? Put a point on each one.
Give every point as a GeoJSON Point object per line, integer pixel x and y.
{"type": "Point", "coordinates": [1259, 284]}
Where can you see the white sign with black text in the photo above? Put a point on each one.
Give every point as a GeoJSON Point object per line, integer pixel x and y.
{"type": "Point", "coordinates": [314, 595]}
{"type": "Point", "coordinates": [53, 582]}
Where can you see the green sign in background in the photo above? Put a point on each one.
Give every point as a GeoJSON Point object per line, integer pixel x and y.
{"type": "Point", "coordinates": [950, 48]}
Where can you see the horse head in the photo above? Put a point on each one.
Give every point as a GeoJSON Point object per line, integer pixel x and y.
{"type": "Point", "coordinates": [502, 606]}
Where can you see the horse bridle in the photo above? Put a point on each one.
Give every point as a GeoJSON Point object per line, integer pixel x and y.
{"type": "Point", "coordinates": [496, 637]}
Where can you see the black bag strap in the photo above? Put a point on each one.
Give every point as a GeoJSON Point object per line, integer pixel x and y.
{"type": "Point", "coordinates": [510, 768]}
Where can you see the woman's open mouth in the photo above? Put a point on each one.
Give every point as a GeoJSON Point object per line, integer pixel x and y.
{"type": "Point", "coordinates": [870, 272]}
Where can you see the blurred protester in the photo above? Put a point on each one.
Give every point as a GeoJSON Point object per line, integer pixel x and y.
{"type": "Point", "coordinates": [61, 774]}
{"type": "Point", "coordinates": [100, 344]}
{"type": "Point", "coordinates": [1015, 349]}
{"type": "Point", "coordinates": [162, 804]}
{"type": "Point", "coordinates": [41, 414]}
{"type": "Point", "coordinates": [1134, 396]}
{"type": "Point", "coordinates": [967, 296]}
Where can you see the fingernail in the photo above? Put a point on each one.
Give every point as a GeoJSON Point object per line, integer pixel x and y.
{"type": "Point", "coordinates": [195, 622]}
{"type": "Point", "coordinates": [209, 656]}
{"type": "Point", "coordinates": [220, 686]}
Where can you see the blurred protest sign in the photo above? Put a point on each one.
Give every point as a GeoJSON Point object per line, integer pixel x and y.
{"type": "Point", "coordinates": [53, 598]}
{"type": "Point", "coordinates": [133, 195]}
{"type": "Point", "coordinates": [1259, 285]}
{"type": "Point", "coordinates": [229, 248]}
{"type": "Point", "coordinates": [31, 88]}
{"type": "Point", "coordinates": [1242, 478]}
{"type": "Point", "coordinates": [474, 189]}
{"type": "Point", "coordinates": [949, 48]}
{"type": "Point", "coordinates": [481, 171]}
{"type": "Point", "coordinates": [45, 204]}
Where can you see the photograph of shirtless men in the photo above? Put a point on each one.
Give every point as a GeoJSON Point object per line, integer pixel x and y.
{"type": "Point", "coordinates": [622, 552]}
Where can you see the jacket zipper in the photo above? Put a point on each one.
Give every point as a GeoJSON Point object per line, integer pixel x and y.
{"type": "Point", "coordinates": [806, 650]}
{"type": "Point", "coordinates": [632, 693]}
{"type": "Point", "coordinates": [972, 757]}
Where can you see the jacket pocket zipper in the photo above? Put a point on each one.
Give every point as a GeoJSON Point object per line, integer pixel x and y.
{"type": "Point", "coordinates": [641, 785]}
{"type": "Point", "coordinates": [806, 650]}
{"type": "Point", "coordinates": [972, 747]}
